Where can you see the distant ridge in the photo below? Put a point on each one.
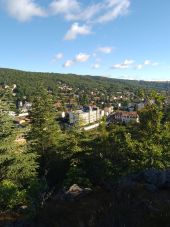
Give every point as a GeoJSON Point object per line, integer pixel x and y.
{"type": "Point", "coordinates": [26, 81]}
{"type": "Point", "coordinates": [107, 77]}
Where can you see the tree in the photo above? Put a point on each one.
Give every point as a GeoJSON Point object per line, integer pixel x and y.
{"type": "Point", "coordinates": [45, 132]}
{"type": "Point", "coordinates": [150, 119]}
{"type": "Point", "coordinates": [45, 135]}
{"type": "Point", "coordinates": [18, 166]}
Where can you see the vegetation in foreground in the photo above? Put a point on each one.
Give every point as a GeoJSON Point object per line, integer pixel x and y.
{"type": "Point", "coordinates": [32, 173]}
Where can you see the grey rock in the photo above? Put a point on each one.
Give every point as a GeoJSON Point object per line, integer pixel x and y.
{"type": "Point", "coordinates": [87, 190]}
{"type": "Point", "coordinates": [73, 193]}
{"type": "Point", "coordinates": [153, 176]}
{"type": "Point", "coordinates": [75, 188]}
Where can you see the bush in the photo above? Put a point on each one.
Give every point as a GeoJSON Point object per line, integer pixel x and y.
{"type": "Point", "coordinates": [76, 175]}
{"type": "Point", "coordinates": [11, 196]}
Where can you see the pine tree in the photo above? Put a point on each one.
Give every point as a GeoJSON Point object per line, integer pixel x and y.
{"type": "Point", "coordinates": [45, 135]}
{"type": "Point", "coordinates": [45, 132]}
{"type": "Point", "coordinates": [17, 165]}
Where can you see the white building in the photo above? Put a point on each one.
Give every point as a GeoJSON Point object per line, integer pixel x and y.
{"type": "Point", "coordinates": [86, 116]}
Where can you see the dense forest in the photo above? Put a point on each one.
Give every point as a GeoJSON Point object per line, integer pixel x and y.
{"type": "Point", "coordinates": [38, 177]}
{"type": "Point", "coordinates": [26, 82]}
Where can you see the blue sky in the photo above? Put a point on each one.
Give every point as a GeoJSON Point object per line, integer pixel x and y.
{"type": "Point", "coordinates": [114, 38]}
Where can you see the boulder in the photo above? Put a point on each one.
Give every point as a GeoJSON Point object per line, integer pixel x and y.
{"type": "Point", "coordinates": [75, 188]}
{"type": "Point", "coordinates": [73, 193]}
{"type": "Point", "coordinates": [152, 176]}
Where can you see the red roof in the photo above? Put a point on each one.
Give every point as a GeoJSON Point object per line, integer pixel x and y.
{"type": "Point", "coordinates": [125, 113]}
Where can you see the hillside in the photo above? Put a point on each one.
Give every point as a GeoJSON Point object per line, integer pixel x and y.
{"type": "Point", "coordinates": [26, 81]}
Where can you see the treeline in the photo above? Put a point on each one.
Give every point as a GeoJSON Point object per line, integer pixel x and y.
{"type": "Point", "coordinates": [26, 82]}
{"type": "Point", "coordinates": [51, 159]}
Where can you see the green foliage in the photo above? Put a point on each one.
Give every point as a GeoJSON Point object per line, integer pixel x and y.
{"type": "Point", "coordinates": [17, 165]}
{"type": "Point", "coordinates": [26, 82]}
{"type": "Point", "coordinates": [44, 131]}
{"type": "Point", "coordinates": [75, 156]}
{"type": "Point", "coordinates": [150, 118]}
{"type": "Point", "coordinates": [76, 175]}
{"type": "Point", "coordinates": [11, 196]}
{"type": "Point", "coordinates": [45, 137]}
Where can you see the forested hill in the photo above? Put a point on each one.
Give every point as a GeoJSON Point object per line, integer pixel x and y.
{"type": "Point", "coordinates": [26, 81]}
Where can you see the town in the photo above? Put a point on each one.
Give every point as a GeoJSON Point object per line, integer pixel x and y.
{"type": "Point", "coordinates": [122, 107]}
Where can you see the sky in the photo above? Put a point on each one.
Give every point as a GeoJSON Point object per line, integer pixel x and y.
{"type": "Point", "coordinates": [128, 39]}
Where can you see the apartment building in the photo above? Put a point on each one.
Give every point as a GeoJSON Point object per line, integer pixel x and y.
{"type": "Point", "coordinates": [126, 117]}
{"type": "Point", "coordinates": [85, 116]}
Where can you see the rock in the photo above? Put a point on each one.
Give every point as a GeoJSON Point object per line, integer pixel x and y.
{"type": "Point", "coordinates": [87, 190]}
{"type": "Point", "coordinates": [153, 176]}
{"type": "Point", "coordinates": [75, 188]}
{"type": "Point", "coordinates": [73, 193]}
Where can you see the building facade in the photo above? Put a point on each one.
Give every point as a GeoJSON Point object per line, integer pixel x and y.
{"type": "Point", "coordinates": [126, 117]}
{"type": "Point", "coordinates": [85, 116]}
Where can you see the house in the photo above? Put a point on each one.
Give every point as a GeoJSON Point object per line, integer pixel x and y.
{"type": "Point", "coordinates": [126, 117]}
{"type": "Point", "coordinates": [108, 110]}
{"type": "Point", "coordinates": [140, 106]}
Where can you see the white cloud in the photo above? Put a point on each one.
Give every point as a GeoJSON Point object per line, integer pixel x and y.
{"type": "Point", "coordinates": [68, 63]}
{"type": "Point", "coordinates": [76, 30]}
{"type": "Point", "coordinates": [115, 8]}
{"type": "Point", "coordinates": [146, 63]}
{"type": "Point", "coordinates": [82, 57]}
{"type": "Point", "coordinates": [120, 66]}
{"type": "Point", "coordinates": [104, 11]}
{"type": "Point", "coordinates": [23, 10]}
{"type": "Point", "coordinates": [64, 6]}
{"type": "Point", "coordinates": [96, 66]}
{"type": "Point", "coordinates": [57, 57]}
{"type": "Point", "coordinates": [128, 62]}
{"type": "Point", "coordinates": [85, 14]}
{"type": "Point", "coordinates": [105, 50]}
{"type": "Point", "coordinates": [124, 65]}
{"type": "Point", "coordinates": [140, 66]}
{"type": "Point", "coordinates": [74, 10]}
